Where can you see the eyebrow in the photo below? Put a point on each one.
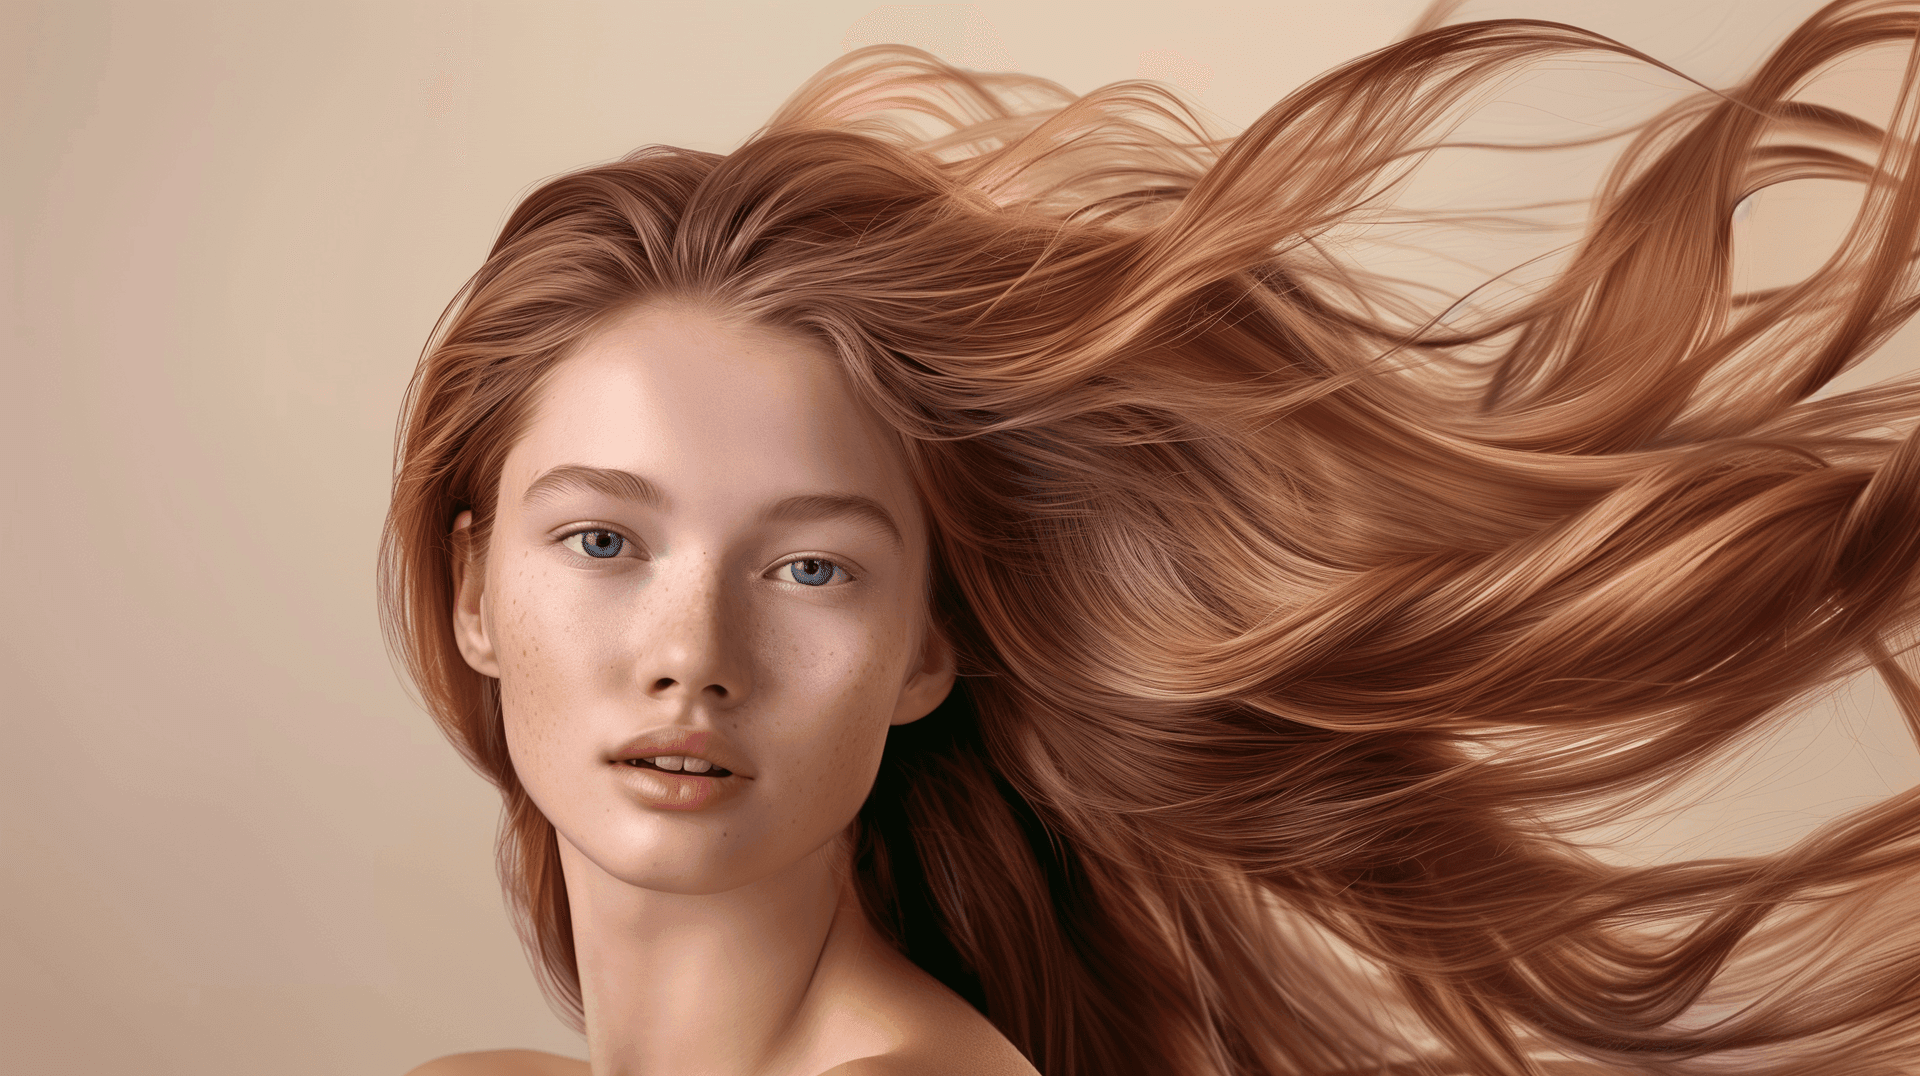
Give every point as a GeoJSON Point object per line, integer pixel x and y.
{"type": "Point", "coordinates": [570, 478]}
{"type": "Point", "coordinates": [800, 508]}
{"type": "Point", "coordinates": [809, 507]}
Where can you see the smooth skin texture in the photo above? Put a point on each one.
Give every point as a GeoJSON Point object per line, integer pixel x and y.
{"type": "Point", "coordinates": [702, 533]}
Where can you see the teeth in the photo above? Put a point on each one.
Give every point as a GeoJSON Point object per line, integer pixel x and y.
{"type": "Point", "coordinates": [677, 764]}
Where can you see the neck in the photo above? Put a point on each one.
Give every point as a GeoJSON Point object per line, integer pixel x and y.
{"type": "Point", "coordinates": [709, 984]}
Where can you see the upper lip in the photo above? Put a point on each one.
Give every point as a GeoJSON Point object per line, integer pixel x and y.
{"type": "Point", "coordinates": [687, 743]}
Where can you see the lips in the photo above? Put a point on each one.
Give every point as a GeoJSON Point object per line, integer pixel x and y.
{"type": "Point", "coordinates": [643, 765]}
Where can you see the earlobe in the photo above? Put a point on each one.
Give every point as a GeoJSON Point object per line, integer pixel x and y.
{"type": "Point", "coordinates": [469, 620]}
{"type": "Point", "coordinates": [930, 684]}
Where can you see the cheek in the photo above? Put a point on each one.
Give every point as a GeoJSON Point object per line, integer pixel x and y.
{"type": "Point", "coordinates": [541, 670]}
{"type": "Point", "coordinates": [839, 694]}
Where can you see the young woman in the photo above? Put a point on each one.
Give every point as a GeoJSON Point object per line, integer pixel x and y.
{"type": "Point", "coordinates": [973, 582]}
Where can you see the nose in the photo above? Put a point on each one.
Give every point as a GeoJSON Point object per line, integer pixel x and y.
{"type": "Point", "coordinates": [695, 653]}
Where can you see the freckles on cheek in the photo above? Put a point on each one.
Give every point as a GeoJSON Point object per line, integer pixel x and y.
{"type": "Point", "coordinates": [858, 686]}
{"type": "Point", "coordinates": [524, 630]}
{"type": "Point", "coordinates": [828, 688]}
{"type": "Point", "coordinates": [529, 732]}
{"type": "Point", "coordinates": [527, 683]}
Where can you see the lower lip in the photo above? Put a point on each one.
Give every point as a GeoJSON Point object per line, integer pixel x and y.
{"type": "Point", "coordinates": [671, 791]}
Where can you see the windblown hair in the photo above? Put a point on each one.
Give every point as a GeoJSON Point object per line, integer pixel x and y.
{"type": "Point", "coordinates": [1299, 627]}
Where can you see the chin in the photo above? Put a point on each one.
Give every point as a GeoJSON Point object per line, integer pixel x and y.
{"type": "Point", "coordinates": [678, 857]}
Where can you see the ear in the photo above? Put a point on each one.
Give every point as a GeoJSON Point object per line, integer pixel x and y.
{"type": "Point", "coordinates": [469, 611]}
{"type": "Point", "coordinates": [930, 683]}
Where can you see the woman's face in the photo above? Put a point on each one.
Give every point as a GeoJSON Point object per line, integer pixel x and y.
{"type": "Point", "coordinates": [706, 556]}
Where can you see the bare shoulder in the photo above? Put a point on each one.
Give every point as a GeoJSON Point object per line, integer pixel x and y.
{"type": "Point", "coordinates": [888, 1017]}
{"type": "Point", "coordinates": [502, 1063]}
{"type": "Point", "coordinates": [924, 1029]}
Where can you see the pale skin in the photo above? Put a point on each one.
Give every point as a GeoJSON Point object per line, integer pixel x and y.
{"type": "Point", "coordinates": [755, 603]}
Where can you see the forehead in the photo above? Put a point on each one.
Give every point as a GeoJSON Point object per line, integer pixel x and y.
{"type": "Point", "coordinates": [709, 410]}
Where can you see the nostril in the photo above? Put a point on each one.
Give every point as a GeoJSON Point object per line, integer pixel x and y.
{"type": "Point", "coordinates": [668, 683]}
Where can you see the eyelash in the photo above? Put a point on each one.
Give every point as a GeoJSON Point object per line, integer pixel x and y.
{"type": "Point", "coordinates": [839, 568]}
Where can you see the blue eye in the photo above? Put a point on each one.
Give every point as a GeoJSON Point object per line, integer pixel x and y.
{"type": "Point", "coordinates": [812, 571]}
{"type": "Point", "coordinates": [600, 544]}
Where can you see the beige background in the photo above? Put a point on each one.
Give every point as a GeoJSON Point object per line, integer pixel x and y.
{"type": "Point", "coordinates": [229, 841]}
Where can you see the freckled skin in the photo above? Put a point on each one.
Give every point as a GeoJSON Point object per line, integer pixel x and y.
{"type": "Point", "coordinates": [802, 682]}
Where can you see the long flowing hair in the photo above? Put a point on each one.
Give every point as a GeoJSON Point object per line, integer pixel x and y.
{"type": "Point", "coordinates": [1299, 624]}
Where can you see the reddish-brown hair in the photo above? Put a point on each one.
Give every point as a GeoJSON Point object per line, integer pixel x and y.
{"type": "Point", "coordinates": [1296, 625]}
